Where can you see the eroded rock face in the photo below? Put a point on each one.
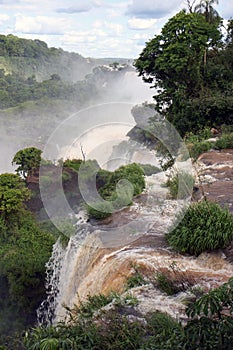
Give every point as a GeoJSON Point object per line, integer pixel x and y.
{"type": "Point", "coordinates": [215, 175]}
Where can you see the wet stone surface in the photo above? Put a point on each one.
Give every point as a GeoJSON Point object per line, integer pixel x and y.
{"type": "Point", "coordinates": [215, 172]}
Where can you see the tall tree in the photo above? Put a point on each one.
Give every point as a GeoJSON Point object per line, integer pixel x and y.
{"type": "Point", "coordinates": [205, 7]}
{"type": "Point", "coordinates": [28, 160]}
{"type": "Point", "coordinates": [190, 4]}
{"type": "Point", "coordinates": [13, 195]}
{"type": "Point", "coordinates": [173, 60]}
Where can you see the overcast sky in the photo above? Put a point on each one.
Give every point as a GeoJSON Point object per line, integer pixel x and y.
{"type": "Point", "coordinates": [93, 28]}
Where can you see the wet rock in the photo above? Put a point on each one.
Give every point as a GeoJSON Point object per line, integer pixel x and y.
{"type": "Point", "coordinates": [215, 174]}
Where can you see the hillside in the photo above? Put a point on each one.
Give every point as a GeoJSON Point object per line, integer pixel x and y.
{"type": "Point", "coordinates": [41, 86]}
{"type": "Point", "coordinates": [26, 58]}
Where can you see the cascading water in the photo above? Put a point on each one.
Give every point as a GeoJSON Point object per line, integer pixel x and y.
{"type": "Point", "coordinates": [45, 313]}
{"type": "Point", "coordinates": [59, 271]}
{"type": "Point", "coordinates": [98, 259]}
{"type": "Point", "coordinates": [69, 266]}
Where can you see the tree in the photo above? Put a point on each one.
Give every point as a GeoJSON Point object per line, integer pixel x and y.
{"type": "Point", "coordinates": [190, 4]}
{"type": "Point", "coordinates": [28, 160]}
{"type": "Point", "coordinates": [173, 60]}
{"type": "Point", "coordinates": [13, 194]}
{"type": "Point", "coordinates": [205, 7]}
{"type": "Point", "coordinates": [173, 63]}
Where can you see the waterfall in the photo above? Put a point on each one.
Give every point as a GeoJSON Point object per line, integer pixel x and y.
{"type": "Point", "coordinates": [59, 270]}
{"type": "Point", "coordinates": [45, 313]}
{"type": "Point", "coordinates": [69, 266]}
{"type": "Point", "coordinates": [99, 258]}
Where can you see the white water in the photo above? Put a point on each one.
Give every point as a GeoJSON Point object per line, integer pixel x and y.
{"type": "Point", "coordinates": [72, 269]}
{"type": "Point", "coordinates": [59, 272]}
{"type": "Point", "coordinates": [98, 259]}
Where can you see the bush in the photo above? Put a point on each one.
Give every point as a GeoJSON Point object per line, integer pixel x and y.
{"type": "Point", "coordinates": [180, 185]}
{"type": "Point", "coordinates": [211, 319]}
{"type": "Point", "coordinates": [226, 141]}
{"type": "Point", "coordinates": [100, 210]}
{"type": "Point", "coordinates": [205, 226]}
{"type": "Point", "coordinates": [150, 169]}
{"type": "Point", "coordinates": [73, 163]}
{"type": "Point", "coordinates": [132, 173]}
{"type": "Point", "coordinates": [136, 279]}
{"type": "Point", "coordinates": [201, 135]}
{"type": "Point", "coordinates": [196, 148]}
{"type": "Point", "coordinates": [165, 333]}
{"type": "Point", "coordinates": [118, 189]}
{"type": "Point", "coordinates": [173, 280]}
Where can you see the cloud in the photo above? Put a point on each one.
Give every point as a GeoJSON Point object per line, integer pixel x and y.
{"type": "Point", "coordinates": [7, 2]}
{"type": "Point", "coordinates": [82, 6]}
{"type": "Point", "coordinates": [151, 8]}
{"type": "Point", "coordinates": [4, 18]}
{"type": "Point", "coordinates": [40, 25]}
{"type": "Point", "coordinates": [111, 28]}
{"type": "Point", "coordinates": [115, 28]}
{"type": "Point", "coordinates": [141, 24]}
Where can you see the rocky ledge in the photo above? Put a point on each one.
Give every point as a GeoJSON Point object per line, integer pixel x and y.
{"type": "Point", "coordinates": [215, 177]}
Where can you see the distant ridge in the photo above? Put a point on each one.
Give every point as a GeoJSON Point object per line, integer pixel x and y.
{"type": "Point", "coordinates": [27, 57]}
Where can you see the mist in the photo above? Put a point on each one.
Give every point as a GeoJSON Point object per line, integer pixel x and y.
{"type": "Point", "coordinates": [33, 123]}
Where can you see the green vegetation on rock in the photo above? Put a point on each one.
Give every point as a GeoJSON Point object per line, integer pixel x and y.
{"type": "Point", "coordinates": [205, 226]}
{"type": "Point", "coordinates": [118, 191]}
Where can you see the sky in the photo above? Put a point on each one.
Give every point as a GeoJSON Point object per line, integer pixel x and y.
{"type": "Point", "coordinates": [93, 28]}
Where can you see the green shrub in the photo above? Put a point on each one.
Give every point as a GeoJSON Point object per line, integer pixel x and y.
{"type": "Point", "coordinates": [211, 319]}
{"type": "Point", "coordinates": [173, 280]}
{"type": "Point", "coordinates": [46, 181]}
{"type": "Point", "coordinates": [201, 135]}
{"type": "Point", "coordinates": [118, 189]}
{"type": "Point", "coordinates": [165, 333]}
{"type": "Point", "coordinates": [66, 176]}
{"type": "Point", "coordinates": [180, 185]}
{"type": "Point", "coordinates": [100, 210]}
{"type": "Point", "coordinates": [226, 141]}
{"type": "Point", "coordinates": [132, 173]}
{"type": "Point", "coordinates": [227, 129]}
{"type": "Point", "coordinates": [209, 334]}
{"type": "Point", "coordinates": [92, 304]}
{"type": "Point", "coordinates": [72, 163]}
{"type": "Point", "coordinates": [205, 226]}
{"type": "Point", "coordinates": [136, 279]}
{"type": "Point", "coordinates": [150, 169]}
{"type": "Point", "coordinates": [165, 284]}
{"type": "Point", "coordinates": [197, 148]}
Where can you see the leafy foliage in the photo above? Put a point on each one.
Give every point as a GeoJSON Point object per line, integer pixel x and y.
{"type": "Point", "coordinates": [226, 141]}
{"type": "Point", "coordinates": [212, 325]}
{"type": "Point", "coordinates": [150, 169]}
{"type": "Point", "coordinates": [196, 148]}
{"type": "Point", "coordinates": [172, 280]}
{"type": "Point", "coordinates": [135, 279]}
{"type": "Point", "coordinates": [25, 248]}
{"type": "Point", "coordinates": [205, 226]}
{"type": "Point", "coordinates": [13, 195]}
{"type": "Point", "coordinates": [188, 63]}
{"type": "Point", "coordinates": [118, 190]}
{"type": "Point", "coordinates": [28, 159]}
{"type": "Point", "coordinates": [180, 185]}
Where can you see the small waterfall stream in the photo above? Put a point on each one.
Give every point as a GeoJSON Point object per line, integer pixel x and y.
{"type": "Point", "coordinates": [59, 271]}
{"type": "Point", "coordinates": [45, 313]}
